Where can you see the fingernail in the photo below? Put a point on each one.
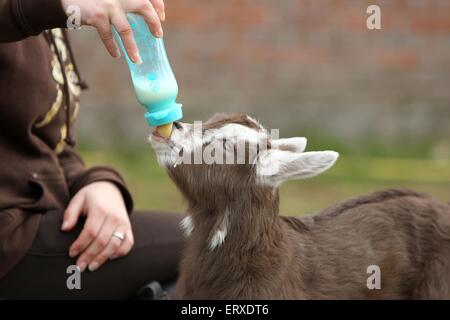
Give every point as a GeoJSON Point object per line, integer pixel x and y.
{"type": "Point", "coordinates": [93, 266]}
{"type": "Point", "coordinates": [163, 16]}
{"type": "Point", "coordinates": [113, 257]}
{"type": "Point", "coordinates": [73, 254]}
{"type": "Point", "coordinates": [118, 53]}
{"type": "Point", "coordinates": [81, 266]}
{"type": "Point", "coordinates": [65, 225]}
{"type": "Point", "coordinates": [158, 33]}
{"type": "Point", "coordinates": [138, 59]}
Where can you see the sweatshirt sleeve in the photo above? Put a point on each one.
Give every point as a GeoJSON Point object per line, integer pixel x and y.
{"type": "Point", "coordinates": [20, 19]}
{"type": "Point", "coordinates": [78, 176]}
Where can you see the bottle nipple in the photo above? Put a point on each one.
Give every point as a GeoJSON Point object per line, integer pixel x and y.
{"type": "Point", "coordinates": [165, 130]}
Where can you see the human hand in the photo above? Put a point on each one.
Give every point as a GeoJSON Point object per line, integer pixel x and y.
{"type": "Point", "coordinates": [104, 208]}
{"type": "Point", "coordinates": [103, 14]}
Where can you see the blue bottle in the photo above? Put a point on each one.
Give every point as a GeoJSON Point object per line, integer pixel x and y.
{"type": "Point", "coordinates": [153, 80]}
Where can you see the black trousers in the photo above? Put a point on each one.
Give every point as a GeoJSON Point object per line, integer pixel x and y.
{"type": "Point", "coordinates": [42, 273]}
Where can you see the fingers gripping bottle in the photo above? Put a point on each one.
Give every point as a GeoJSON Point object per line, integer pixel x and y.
{"type": "Point", "coordinates": [153, 80]}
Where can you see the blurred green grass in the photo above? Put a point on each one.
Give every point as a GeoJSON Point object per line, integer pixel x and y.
{"type": "Point", "coordinates": [353, 175]}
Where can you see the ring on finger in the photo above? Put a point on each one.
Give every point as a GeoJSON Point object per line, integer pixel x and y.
{"type": "Point", "coordinates": [119, 235]}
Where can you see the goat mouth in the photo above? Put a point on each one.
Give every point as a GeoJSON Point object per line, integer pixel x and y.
{"type": "Point", "coordinates": [159, 137]}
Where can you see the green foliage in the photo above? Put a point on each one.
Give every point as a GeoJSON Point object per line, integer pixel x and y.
{"type": "Point", "coordinates": [353, 175]}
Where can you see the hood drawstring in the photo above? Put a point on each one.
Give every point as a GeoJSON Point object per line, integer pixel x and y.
{"type": "Point", "coordinates": [83, 85]}
{"type": "Point", "coordinates": [68, 139]}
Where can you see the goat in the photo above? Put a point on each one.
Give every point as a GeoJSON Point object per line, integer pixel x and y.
{"type": "Point", "coordinates": [238, 247]}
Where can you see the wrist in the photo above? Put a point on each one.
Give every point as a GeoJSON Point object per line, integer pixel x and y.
{"type": "Point", "coordinates": [103, 174]}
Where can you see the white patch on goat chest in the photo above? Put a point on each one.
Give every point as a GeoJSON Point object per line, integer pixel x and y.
{"type": "Point", "coordinates": [187, 225]}
{"type": "Point", "coordinates": [219, 235]}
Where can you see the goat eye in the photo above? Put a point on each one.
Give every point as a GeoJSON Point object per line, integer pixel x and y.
{"type": "Point", "coordinates": [177, 125]}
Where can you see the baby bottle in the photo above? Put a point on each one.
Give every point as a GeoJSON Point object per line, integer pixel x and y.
{"type": "Point", "coordinates": [153, 80]}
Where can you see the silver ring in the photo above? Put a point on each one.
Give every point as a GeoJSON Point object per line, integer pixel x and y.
{"type": "Point", "coordinates": [119, 235]}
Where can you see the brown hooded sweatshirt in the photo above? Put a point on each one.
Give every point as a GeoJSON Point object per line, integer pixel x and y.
{"type": "Point", "coordinates": [39, 102]}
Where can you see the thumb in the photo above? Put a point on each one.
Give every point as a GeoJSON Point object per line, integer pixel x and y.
{"type": "Point", "coordinates": [73, 212]}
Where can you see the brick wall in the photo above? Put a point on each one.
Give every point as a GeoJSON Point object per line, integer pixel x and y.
{"type": "Point", "coordinates": [300, 65]}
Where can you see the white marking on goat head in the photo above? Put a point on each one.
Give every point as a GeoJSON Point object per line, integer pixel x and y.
{"type": "Point", "coordinates": [187, 139]}
{"type": "Point", "coordinates": [255, 122]}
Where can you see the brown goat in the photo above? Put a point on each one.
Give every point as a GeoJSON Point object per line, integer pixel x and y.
{"type": "Point", "coordinates": [238, 247]}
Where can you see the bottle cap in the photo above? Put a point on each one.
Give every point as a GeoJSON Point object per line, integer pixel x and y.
{"type": "Point", "coordinates": [160, 117]}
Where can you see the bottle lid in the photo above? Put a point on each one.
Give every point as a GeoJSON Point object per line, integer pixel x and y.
{"type": "Point", "coordinates": [169, 114]}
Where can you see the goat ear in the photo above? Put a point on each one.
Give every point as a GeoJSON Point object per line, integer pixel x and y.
{"type": "Point", "coordinates": [276, 166]}
{"type": "Point", "coordinates": [296, 144]}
